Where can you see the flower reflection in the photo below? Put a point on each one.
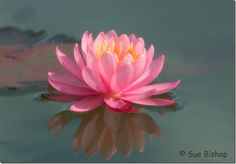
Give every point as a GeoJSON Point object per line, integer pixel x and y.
{"type": "Point", "coordinates": [107, 132]}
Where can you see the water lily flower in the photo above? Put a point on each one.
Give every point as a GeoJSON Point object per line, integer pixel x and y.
{"type": "Point", "coordinates": [111, 70]}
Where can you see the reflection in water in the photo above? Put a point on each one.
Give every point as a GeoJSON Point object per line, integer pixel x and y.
{"type": "Point", "coordinates": [107, 132]}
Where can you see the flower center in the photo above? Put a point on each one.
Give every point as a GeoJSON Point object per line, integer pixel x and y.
{"type": "Point", "coordinates": [119, 49]}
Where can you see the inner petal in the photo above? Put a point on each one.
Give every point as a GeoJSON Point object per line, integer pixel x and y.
{"type": "Point", "coordinates": [120, 48]}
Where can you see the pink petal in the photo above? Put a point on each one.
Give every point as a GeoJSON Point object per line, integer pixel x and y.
{"type": "Point", "coordinates": [124, 39]}
{"type": "Point", "coordinates": [155, 69]}
{"type": "Point", "coordinates": [136, 40]}
{"type": "Point", "coordinates": [91, 60]}
{"type": "Point", "coordinates": [78, 57]}
{"type": "Point", "coordinates": [151, 90]}
{"type": "Point", "coordinates": [92, 63]}
{"type": "Point", "coordinates": [139, 47]}
{"type": "Point", "coordinates": [101, 37]}
{"type": "Point", "coordinates": [127, 59]}
{"type": "Point", "coordinates": [86, 41]}
{"type": "Point", "coordinates": [139, 66]}
{"type": "Point", "coordinates": [127, 109]}
{"type": "Point", "coordinates": [132, 38]}
{"type": "Point", "coordinates": [112, 34]}
{"type": "Point", "coordinates": [68, 64]}
{"type": "Point", "coordinates": [154, 102]}
{"type": "Point", "coordinates": [148, 76]}
{"type": "Point", "coordinates": [67, 84]}
{"type": "Point", "coordinates": [149, 56]}
{"type": "Point", "coordinates": [87, 104]}
{"type": "Point", "coordinates": [116, 103]}
{"type": "Point", "coordinates": [93, 80]}
{"type": "Point", "coordinates": [140, 40]}
{"type": "Point", "coordinates": [107, 66]}
{"type": "Point", "coordinates": [122, 77]}
{"type": "Point", "coordinates": [131, 97]}
{"type": "Point", "coordinates": [66, 78]}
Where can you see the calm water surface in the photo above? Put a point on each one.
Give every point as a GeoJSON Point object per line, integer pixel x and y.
{"type": "Point", "coordinates": [198, 40]}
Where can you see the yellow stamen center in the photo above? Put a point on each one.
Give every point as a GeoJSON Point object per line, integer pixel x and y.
{"type": "Point", "coordinates": [118, 50]}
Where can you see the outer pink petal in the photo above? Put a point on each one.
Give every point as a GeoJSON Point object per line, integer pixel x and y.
{"type": "Point", "coordinates": [91, 60]}
{"type": "Point", "coordinates": [139, 66]}
{"type": "Point", "coordinates": [93, 80]}
{"type": "Point", "coordinates": [68, 84]}
{"type": "Point", "coordinates": [66, 78]}
{"type": "Point", "coordinates": [155, 88]}
{"type": "Point", "coordinates": [78, 57]}
{"type": "Point", "coordinates": [155, 102]}
{"type": "Point", "coordinates": [116, 103]}
{"type": "Point", "coordinates": [155, 69]}
{"type": "Point", "coordinates": [87, 104]}
{"type": "Point", "coordinates": [122, 77]}
{"type": "Point", "coordinates": [149, 56]}
{"type": "Point", "coordinates": [132, 97]}
{"type": "Point", "coordinates": [92, 63]}
{"type": "Point", "coordinates": [86, 41]}
{"type": "Point", "coordinates": [148, 76]}
{"type": "Point", "coordinates": [107, 66]}
{"type": "Point", "coordinates": [68, 64]}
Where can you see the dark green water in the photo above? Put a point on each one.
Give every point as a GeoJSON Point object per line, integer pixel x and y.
{"type": "Point", "coordinates": [197, 38]}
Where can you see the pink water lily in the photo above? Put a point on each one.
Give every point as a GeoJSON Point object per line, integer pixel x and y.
{"type": "Point", "coordinates": [111, 70]}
